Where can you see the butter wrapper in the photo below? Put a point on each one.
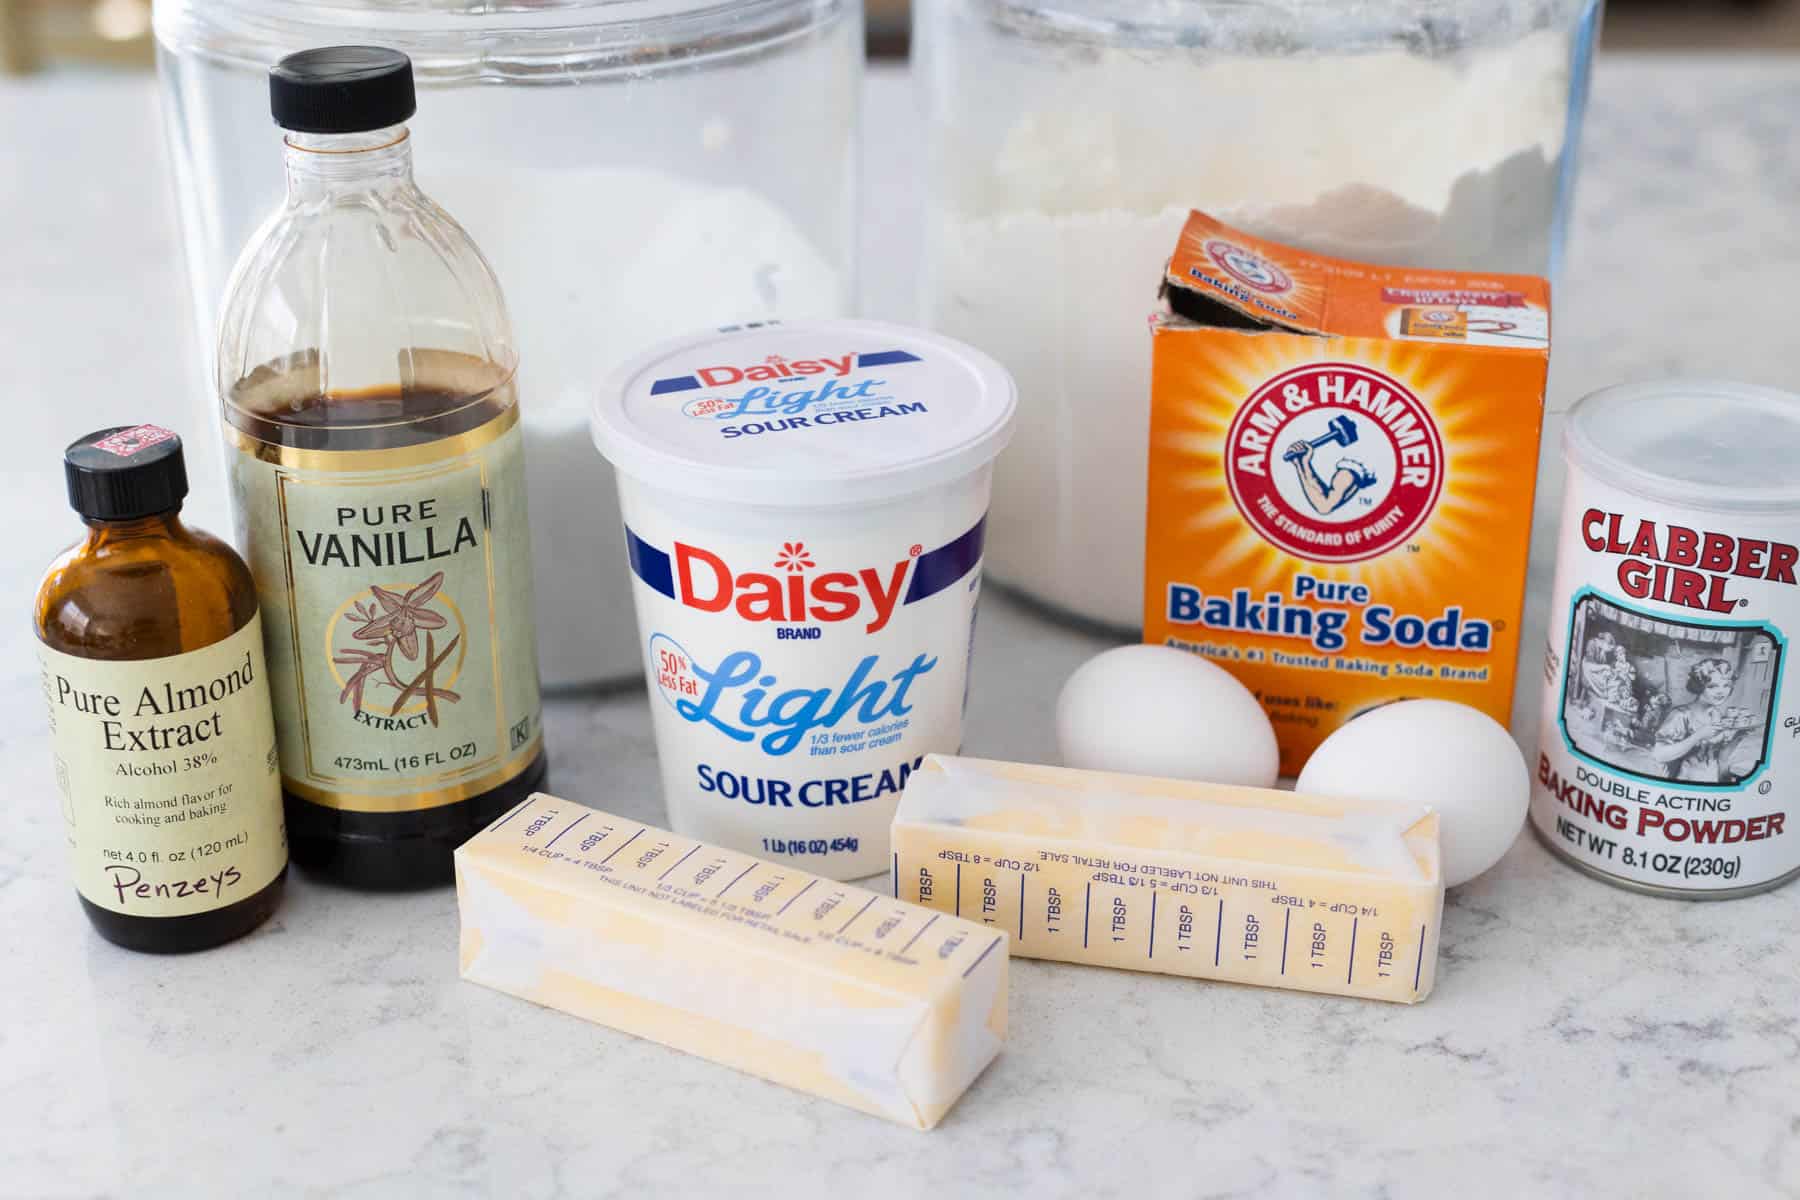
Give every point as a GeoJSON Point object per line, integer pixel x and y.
{"type": "Point", "coordinates": [834, 990]}
{"type": "Point", "coordinates": [1246, 885]}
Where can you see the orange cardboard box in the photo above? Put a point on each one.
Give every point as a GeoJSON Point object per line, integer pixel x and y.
{"type": "Point", "coordinates": [1342, 463]}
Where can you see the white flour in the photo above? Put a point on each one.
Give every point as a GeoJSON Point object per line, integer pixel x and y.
{"type": "Point", "coordinates": [597, 265]}
{"type": "Point", "coordinates": [1049, 239]}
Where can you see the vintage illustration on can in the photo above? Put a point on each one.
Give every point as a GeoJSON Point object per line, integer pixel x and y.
{"type": "Point", "coordinates": [1668, 700]}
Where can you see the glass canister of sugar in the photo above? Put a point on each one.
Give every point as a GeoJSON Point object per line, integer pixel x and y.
{"type": "Point", "coordinates": [805, 510]}
{"type": "Point", "coordinates": [1069, 138]}
{"type": "Point", "coordinates": [616, 160]}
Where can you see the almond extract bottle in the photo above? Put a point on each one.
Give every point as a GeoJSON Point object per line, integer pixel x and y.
{"type": "Point", "coordinates": [151, 651]}
{"type": "Point", "coordinates": [366, 368]}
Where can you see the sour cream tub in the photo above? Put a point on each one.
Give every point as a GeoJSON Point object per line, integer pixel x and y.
{"type": "Point", "coordinates": [1668, 761]}
{"type": "Point", "coordinates": [805, 508]}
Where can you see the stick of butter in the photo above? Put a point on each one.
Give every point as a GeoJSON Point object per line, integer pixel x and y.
{"type": "Point", "coordinates": [1216, 882]}
{"type": "Point", "coordinates": [824, 987]}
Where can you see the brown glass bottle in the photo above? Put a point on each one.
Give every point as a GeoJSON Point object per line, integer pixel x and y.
{"type": "Point", "coordinates": [140, 603]}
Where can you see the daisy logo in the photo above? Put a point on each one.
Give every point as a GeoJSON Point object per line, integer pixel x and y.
{"type": "Point", "coordinates": [1334, 462]}
{"type": "Point", "coordinates": [1248, 268]}
{"type": "Point", "coordinates": [794, 558]}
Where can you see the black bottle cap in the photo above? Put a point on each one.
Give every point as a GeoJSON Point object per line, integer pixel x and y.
{"type": "Point", "coordinates": [125, 472]}
{"type": "Point", "coordinates": [342, 89]}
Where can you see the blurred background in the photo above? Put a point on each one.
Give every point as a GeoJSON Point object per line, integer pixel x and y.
{"type": "Point", "coordinates": [745, 146]}
{"type": "Point", "coordinates": [34, 33]}
{"type": "Point", "coordinates": [1703, 24]}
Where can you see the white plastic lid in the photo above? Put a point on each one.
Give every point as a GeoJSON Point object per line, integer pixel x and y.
{"type": "Point", "coordinates": [821, 413]}
{"type": "Point", "coordinates": [1698, 442]}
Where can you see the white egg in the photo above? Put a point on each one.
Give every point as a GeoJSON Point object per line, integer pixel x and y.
{"type": "Point", "coordinates": [1155, 710]}
{"type": "Point", "coordinates": [1459, 761]}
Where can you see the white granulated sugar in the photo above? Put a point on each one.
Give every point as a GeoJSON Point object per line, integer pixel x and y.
{"type": "Point", "coordinates": [597, 265]}
{"type": "Point", "coordinates": [1047, 253]}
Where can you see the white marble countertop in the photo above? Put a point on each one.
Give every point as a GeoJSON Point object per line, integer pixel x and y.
{"type": "Point", "coordinates": [1582, 1040]}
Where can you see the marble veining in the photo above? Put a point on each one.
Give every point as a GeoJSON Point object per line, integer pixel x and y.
{"type": "Point", "coordinates": [1582, 1040]}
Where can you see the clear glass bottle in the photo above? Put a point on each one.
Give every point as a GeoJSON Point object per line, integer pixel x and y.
{"type": "Point", "coordinates": [151, 651]}
{"type": "Point", "coordinates": [366, 368]}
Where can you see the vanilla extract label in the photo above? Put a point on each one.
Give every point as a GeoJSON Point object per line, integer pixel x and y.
{"type": "Point", "coordinates": [397, 584]}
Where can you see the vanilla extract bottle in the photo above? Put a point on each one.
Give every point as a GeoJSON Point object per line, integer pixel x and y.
{"type": "Point", "coordinates": [366, 369]}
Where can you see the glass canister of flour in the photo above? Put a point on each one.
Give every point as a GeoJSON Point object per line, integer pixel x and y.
{"type": "Point", "coordinates": [632, 168]}
{"type": "Point", "coordinates": [1069, 139]}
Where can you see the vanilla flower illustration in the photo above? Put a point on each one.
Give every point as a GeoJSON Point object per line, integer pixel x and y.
{"type": "Point", "coordinates": [368, 663]}
{"type": "Point", "coordinates": [394, 622]}
{"type": "Point", "coordinates": [402, 616]}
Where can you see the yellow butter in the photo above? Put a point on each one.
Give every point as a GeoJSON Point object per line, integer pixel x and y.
{"type": "Point", "coordinates": [828, 988]}
{"type": "Point", "coordinates": [1242, 884]}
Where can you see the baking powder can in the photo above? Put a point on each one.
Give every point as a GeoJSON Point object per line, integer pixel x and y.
{"type": "Point", "coordinates": [1669, 755]}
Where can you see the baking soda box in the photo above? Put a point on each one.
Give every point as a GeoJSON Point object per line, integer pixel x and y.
{"type": "Point", "coordinates": [1342, 462]}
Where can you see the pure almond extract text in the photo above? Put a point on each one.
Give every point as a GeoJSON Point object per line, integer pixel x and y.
{"type": "Point", "coordinates": [130, 724]}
